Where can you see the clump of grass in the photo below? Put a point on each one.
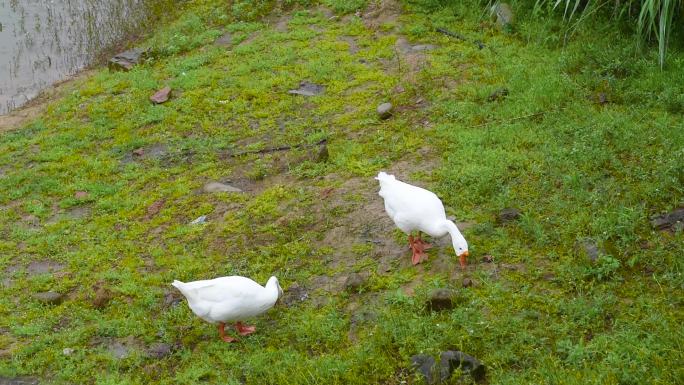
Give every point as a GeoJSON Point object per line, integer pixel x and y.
{"type": "Point", "coordinates": [654, 19]}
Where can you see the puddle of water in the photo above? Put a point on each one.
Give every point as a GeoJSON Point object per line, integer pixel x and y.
{"type": "Point", "coordinates": [45, 41]}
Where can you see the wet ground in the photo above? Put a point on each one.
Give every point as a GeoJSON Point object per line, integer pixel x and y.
{"type": "Point", "coordinates": [45, 41]}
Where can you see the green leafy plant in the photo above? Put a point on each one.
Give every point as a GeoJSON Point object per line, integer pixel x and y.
{"type": "Point", "coordinates": [656, 18]}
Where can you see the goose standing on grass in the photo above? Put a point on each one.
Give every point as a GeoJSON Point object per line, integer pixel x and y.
{"type": "Point", "coordinates": [230, 299]}
{"type": "Point", "coordinates": [416, 209]}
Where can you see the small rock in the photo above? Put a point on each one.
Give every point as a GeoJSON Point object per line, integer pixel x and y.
{"type": "Point", "coordinates": [81, 194]}
{"type": "Point", "coordinates": [498, 94]}
{"type": "Point", "coordinates": [670, 221]}
{"type": "Point", "coordinates": [441, 299]}
{"type": "Point", "coordinates": [385, 110]}
{"type": "Point", "coordinates": [125, 61]}
{"type": "Point", "coordinates": [49, 297]}
{"type": "Point", "coordinates": [452, 360]}
{"type": "Point", "coordinates": [467, 282]}
{"type": "Point", "coordinates": [503, 15]}
{"type": "Point", "coordinates": [508, 215]}
{"type": "Point", "coordinates": [161, 96]}
{"type": "Point", "coordinates": [67, 351]}
{"type": "Point", "coordinates": [354, 282]}
{"type": "Point", "coordinates": [487, 259]}
{"type": "Point", "coordinates": [307, 88]}
{"type": "Point", "coordinates": [590, 248]}
{"type": "Point", "coordinates": [215, 187]}
{"type": "Point", "coordinates": [399, 89]}
{"type": "Point", "coordinates": [199, 220]}
{"type": "Point", "coordinates": [159, 350]}
{"type": "Point", "coordinates": [425, 365]}
{"type": "Point", "coordinates": [226, 40]}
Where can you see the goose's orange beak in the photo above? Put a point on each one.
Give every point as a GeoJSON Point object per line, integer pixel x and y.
{"type": "Point", "coordinates": [462, 259]}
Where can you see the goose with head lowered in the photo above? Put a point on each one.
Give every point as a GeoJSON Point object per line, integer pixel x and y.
{"type": "Point", "coordinates": [230, 299]}
{"type": "Point", "coordinates": [413, 208]}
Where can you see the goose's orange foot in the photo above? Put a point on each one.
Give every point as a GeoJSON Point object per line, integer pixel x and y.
{"type": "Point", "coordinates": [418, 248]}
{"type": "Point", "coordinates": [244, 330]}
{"type": "Point", "coordinates": [222, 333]}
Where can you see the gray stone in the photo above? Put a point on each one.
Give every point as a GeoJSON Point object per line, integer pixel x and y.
{"type": "Point", "coordinates": [449, 361]}
{"type": "Point", "coordinates": [425, 365]}
{"type": "Point", "coordinates": [670, 221]}
{"type": "Point", "coordinates": [441, 299]}
{"type": "Point", "coordinates": [68, 351]}
{"type": "Point", "coordinates": [467, 282]}
{"type": "Point", "coordinates": [126, 60]}
{"type": "Point", "coordinates": [307, 88]}
{"type": "Point", "coordinates": [591, 249]}
{"type": "Point", "coordinates": [49, 297]}
{"type": "Point", "coordinates": [161, 96]}
{"type": "Point", "coordinates": [214, 187]}
{"type": "Point", "coordinates": [452, 360]}
{"type": "Point", "coordinates": [508, 215]}
{"type": "Point", "coordinates": [384, 110]}
{"type": "Point", "coordinates": [200, 220]}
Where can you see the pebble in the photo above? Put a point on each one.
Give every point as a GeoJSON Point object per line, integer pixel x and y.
{"type": "Point", "coordinates": [49, 297]}
{"type": "Point", "coordinates": [199, 220]}
{"type": "Point", "coordinates": [385, 110]}
{"type": "Point", "coordinates": [441, 299]}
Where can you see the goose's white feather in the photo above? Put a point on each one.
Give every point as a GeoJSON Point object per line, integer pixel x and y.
{"type": "Point", "coordinates": [229, 299]}
{"type": "Point", "coordinates": [413, 208]}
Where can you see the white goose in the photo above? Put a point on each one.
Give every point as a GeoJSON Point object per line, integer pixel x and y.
{"type": "Point", "coordinates": [416, 209]}
{"type": "Point", "coordinates": [230, 299]}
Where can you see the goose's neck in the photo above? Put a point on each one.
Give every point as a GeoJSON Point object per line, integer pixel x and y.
{"type": "Point", "coordinates": [452, 229]}
{"type": "Point", "coordinates": [272, 291]}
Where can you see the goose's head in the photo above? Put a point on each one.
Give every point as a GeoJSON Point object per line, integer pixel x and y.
{"type": "Point", "coordinates": [460, 247]}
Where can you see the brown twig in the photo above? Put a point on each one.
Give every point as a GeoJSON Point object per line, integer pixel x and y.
{"type": "Point", "coordinates": [321, 142]}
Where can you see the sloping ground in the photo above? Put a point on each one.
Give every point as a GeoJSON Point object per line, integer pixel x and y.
{"type": "Point", "coordinates": [97, 196]}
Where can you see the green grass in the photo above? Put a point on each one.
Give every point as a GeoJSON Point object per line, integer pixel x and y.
{"type": "Point", "coordinates": [542, 313]}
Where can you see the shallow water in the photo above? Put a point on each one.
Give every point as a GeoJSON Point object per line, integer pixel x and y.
{"type": "Point", "coordinates": [45, 41]}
